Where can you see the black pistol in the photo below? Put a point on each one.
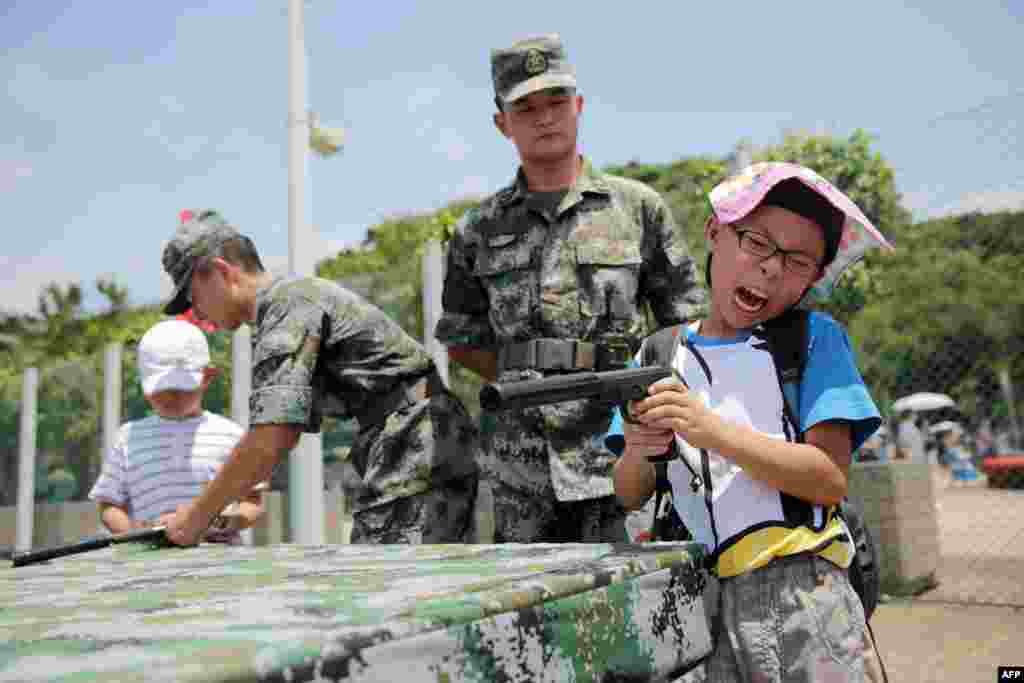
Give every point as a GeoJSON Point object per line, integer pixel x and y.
{"type": "Point", "coordinates": [617, 386]}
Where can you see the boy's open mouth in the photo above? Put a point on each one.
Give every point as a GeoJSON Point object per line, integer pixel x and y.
{"type": "Point", "coordinates": [749, 300]}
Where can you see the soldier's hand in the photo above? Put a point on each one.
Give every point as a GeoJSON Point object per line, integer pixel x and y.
{"type": "Point", "coordinates": [182, 528]}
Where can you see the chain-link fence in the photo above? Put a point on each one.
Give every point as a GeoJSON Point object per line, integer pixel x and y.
{"type": "Point", "coordinates": [70, 414]}
{"type": "Point", "coordinates": [68, 432]}
{"type": "Point", "coordinates": [957, 396]}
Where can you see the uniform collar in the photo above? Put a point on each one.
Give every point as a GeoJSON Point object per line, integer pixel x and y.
{"type": "Point", "coordinates": [589, 181]}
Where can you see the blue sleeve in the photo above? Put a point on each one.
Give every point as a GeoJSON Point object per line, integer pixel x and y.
{"type": "Point", "coordinates": [614, 440]}
{"type": "Point", "coordinates": [832, 388]}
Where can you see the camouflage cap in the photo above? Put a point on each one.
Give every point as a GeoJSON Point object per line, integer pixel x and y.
{"type": "Point", "coordinates": [530, 65]}
{"type": "Point", "coordinates": [202, 234]}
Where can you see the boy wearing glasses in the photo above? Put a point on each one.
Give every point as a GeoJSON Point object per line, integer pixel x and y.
{"type": "Point", "coordinates": [758, 487]}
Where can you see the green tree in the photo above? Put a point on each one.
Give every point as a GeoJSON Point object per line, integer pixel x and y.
{"type": "Point", "coordinates": [953, 290]}
{"type": "Point", "coordinates": [860, 172]}
{"type": "Point", "coordinates": [67, 346]}
{"type": "Point", "coordinates": [852, 166]}
{"type": "Point", "coordinates": [684, 184]}
{"type": "Point", "coordinates": [387, 269]}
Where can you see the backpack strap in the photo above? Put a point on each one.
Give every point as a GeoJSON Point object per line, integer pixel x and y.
{"type": "Point", "coordinates": [787, 337]}
{"type": "Point", "coordinates": [659, 349]}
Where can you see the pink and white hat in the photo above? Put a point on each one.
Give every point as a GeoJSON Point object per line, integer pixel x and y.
{"type": "Point", "coordinates": [738, 195]}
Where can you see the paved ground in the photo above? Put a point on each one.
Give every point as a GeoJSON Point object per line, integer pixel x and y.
{"type": "Point", "coordinates": [973, 621]}
{"type": "Point", "coordinates": [982, 542]}
{"type": "Point", "coordinates": [933, 641]}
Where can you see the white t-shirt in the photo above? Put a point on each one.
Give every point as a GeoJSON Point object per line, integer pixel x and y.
{"type": "Point", "coordinates": [157, 464]}
{"type": "Point", "coordinates": [744, 521]}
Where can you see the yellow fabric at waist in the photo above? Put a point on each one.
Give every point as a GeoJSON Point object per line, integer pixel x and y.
{"type": "Point", "coordinates": [759, 547]}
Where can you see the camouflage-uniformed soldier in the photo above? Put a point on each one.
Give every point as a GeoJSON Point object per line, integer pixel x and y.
{"type": "Point", "coordinates": [551, 275]}
{"type": "Point", "coordinates": [319, 349]}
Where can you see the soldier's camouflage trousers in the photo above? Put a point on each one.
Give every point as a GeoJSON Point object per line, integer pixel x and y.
{"type": "Point", "coordinates": [524, 517]}
{"type": "Point", "coordinates": [439, 515]}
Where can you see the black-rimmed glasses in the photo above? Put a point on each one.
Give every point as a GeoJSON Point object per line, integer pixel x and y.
{"type": "Point", "coordinates": [760, 245]}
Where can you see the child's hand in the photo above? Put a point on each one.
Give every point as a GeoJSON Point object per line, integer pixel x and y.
{"type": "Point", "coordinates": [672, 407]}
{"type": "Point", "coordinates": [642, 439]}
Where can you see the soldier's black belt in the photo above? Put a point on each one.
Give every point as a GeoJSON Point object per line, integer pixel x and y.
{"type": "Point", "coordinates": [562, 354]}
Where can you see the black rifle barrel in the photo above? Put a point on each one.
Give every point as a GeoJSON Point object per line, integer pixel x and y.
{"type": "Point", "coordinates": [617, 386]}
{"type": "Point", "coordinates": [149, 535]}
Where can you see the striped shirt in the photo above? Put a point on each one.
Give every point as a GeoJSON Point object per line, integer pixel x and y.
{"type": "Point", "coordinates": [156, 464]}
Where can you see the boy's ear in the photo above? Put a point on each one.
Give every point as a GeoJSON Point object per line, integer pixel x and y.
{"type": "Point", "coordinates": [223, 267]}
{"type": "Point", "coordinates": [499, 122]}
{"type": "Point", "coordinates": [712, 229]}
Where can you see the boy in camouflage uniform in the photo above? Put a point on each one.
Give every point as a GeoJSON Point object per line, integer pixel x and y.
{"type": "Point", "coordinates": [551, 275]}
{"type": "Point", "coordinates": [319, 349]}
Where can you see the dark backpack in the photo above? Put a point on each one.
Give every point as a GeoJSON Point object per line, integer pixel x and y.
{"type": "Point", "coordinates": [787, 338]}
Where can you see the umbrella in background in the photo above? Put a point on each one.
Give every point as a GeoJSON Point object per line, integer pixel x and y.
{"type": "Point", "coordinates": [922, 401]}
{"type": "Point", "coordinates": [945, 426]}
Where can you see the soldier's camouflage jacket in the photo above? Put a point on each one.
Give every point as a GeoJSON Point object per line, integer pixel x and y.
{"type": "Point", "coordinates": [322, 350]}
{"type": "Point", "coordinates": [515, 273]}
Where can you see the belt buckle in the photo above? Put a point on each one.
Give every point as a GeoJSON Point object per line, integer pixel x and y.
{"type": "Point", "coordinates": [613, 354]}
{"type": "Point", "coordinates": [516, 356]}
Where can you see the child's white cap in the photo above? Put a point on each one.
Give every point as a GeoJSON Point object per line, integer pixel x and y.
{"type": "Point", "coordinates": [172, 355]}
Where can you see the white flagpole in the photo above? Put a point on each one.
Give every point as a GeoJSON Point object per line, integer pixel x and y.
{"type": "Point", "coordinates": [27, 461]}
{"type": "Point", "coordinates": [305, 464]}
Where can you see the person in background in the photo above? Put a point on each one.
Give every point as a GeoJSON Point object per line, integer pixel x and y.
{"type": "Point", "coordinates": [954, 458]}
{"type": "Point", "coordinates": [167, 459]}
{"type": "Point", "coordinates": [910, 441]}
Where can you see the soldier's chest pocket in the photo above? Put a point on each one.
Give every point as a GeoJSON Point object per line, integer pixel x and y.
{"type": "Point", "coordinates": [609, 274]}
{"type": "Point", "coordinates": [509, 274]}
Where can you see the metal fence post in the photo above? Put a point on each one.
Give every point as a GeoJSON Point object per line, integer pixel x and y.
{"type": "Point", "coordinates": [27, 461]}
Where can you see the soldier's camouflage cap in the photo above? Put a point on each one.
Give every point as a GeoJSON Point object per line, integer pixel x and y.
{"type": "Point", "coordinates": [529, 65]}
{"type": "Point", "coordinates": [201, 234]}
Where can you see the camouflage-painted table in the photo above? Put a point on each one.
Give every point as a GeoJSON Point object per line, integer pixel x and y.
{"type": "Point", "coordinates": [357, 613]}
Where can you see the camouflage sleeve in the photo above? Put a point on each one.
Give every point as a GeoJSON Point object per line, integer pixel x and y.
{"type": "Point", "coordinates": [668, 279]}
{"type": "Point", "coordinates": [284, 357]}
{"type": "Point", "coordinates": [465, 320]}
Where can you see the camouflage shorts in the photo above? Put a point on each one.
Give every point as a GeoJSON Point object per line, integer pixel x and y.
{"type": "Point", "coordinates": [797, 619]}
{"type": "Point", "coordinates": [440, 515]}
{"type": "Point", "coordinates": [524, 517]}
